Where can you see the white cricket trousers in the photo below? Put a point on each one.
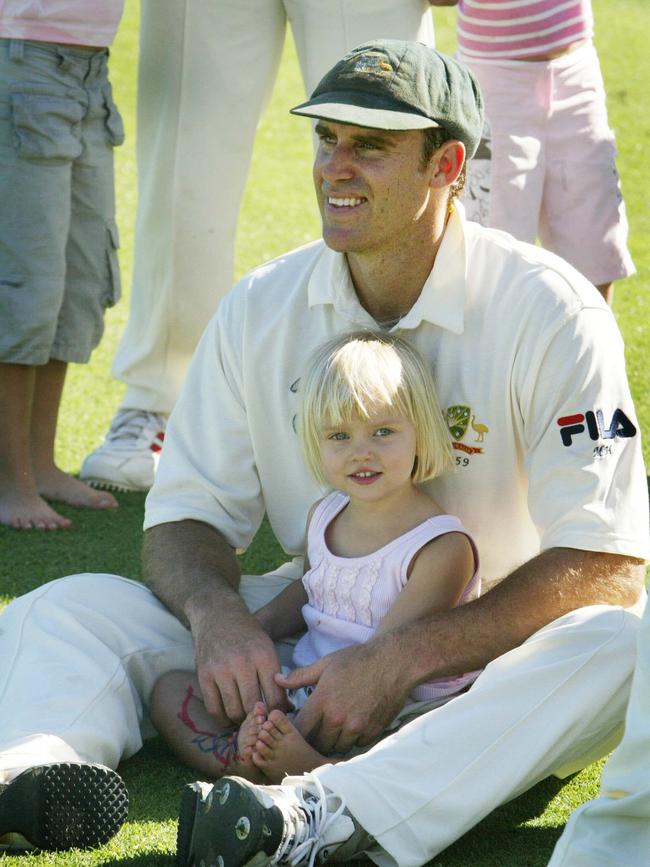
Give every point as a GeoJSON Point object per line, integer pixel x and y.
{"type": "Point", "coordinates": [207, 69]}
{"type": "Point", "coordinates": [613, 830]}
{"type": "Point", "coordinates": [81, 654]}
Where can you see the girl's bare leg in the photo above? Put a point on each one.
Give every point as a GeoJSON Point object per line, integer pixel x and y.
{"type": "Point", "coordinates": [178, 712]}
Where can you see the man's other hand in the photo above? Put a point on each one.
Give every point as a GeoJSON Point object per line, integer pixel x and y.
{"type": "Point", "coordinates": [355, 698]}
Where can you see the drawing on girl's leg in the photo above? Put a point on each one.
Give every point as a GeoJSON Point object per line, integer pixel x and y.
{"type": "Point", "coordinates": [223, 745]}
{"type": "Point", "coordinates": [231, 748]}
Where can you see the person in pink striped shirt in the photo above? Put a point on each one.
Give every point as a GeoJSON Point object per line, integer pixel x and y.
{"type": "Point", "coordinates": [546, 168]}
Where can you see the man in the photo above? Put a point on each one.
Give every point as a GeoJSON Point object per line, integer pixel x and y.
{"type": "Point", "coordinates": [528, 363]}
{"type": "Point", "coordinates": [205, 76]}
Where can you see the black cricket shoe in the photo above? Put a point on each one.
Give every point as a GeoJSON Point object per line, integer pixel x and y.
{"type": "Point", "coordinates": [234, 823]}
{"type": "Point", "coordinates": [64, 805]}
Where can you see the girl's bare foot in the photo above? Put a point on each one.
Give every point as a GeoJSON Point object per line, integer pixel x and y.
{"type": "Point", "coordinates": [26, 510]}
{"type": "Point", "coordinates": [242, 764]}
{"type": "Point", "coordinates": [54, 484]}
{"type": "Point", "coordinates": [281, 749]}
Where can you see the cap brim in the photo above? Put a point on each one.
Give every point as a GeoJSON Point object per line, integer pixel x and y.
{"type": "Point", "coordinates": [373, 118]}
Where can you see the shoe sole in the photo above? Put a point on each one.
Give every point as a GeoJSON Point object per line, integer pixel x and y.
{"type": "Point", "coordinates": [225, 826]}
{"type": "Point", "coordinates": [64, 806]}
{"type": "Point", "coordinates": [103, 485]}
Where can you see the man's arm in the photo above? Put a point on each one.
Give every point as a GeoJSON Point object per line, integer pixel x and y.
{"type": "Point", "coordinates": [361, 688]}
{"type": "Point", "coordinates": [194, 572]}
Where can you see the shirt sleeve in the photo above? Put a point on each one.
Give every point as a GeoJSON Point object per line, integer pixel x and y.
{"type": "Point", "coordinates": [207, 469]}
{"type": "Point", "coordinates": [587, 483]}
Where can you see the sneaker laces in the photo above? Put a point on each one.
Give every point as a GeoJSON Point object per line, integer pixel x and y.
{"type": "Point", "coordinates": [306, 824]}
{"type": "Point", "coordinates": [129, 425]}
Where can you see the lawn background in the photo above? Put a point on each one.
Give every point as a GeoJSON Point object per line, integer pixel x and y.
{"type": "Point", "coordinates": [278, 213]}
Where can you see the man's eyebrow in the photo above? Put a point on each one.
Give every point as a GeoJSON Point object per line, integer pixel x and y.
{"type": "Point", "coordinates": [376, 137]}
{"type": "Point", "coordinates": [371, 136]}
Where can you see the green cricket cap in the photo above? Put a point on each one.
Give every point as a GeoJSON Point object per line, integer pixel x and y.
{"type": "Point", "coordinates": [398, 85]}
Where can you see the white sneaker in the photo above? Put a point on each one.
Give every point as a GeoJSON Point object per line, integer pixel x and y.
{"type": "Point", "coordinates": [128, 458]}
{"type": "Point", "coordinates": [235, 823]}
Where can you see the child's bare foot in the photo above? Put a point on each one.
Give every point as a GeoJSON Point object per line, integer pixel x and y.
{"type": "Point", "coordinates": [281, 749]}
{"type": "Point", "coordinates": [25, 510]}
{"type": "Point", "coordinates": [54, 484]}
{"type": "Point", "coordinates": [242, 765]}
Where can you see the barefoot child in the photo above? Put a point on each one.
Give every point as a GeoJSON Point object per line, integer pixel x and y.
{"type": "Point", "coordinates": [380, 551]}
{"type": "Point", "coordinates": [58, 266]}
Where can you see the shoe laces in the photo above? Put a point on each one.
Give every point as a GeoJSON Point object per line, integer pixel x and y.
{"type": "Point", "coordinates": [306, 824]}
{"type": "Point", "coordinates": [130, 424]}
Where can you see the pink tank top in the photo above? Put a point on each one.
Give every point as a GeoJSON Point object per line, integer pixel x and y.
{"type": "Point", "coordinates": [507, 30]}
{"type": "Point", "coordinates": [349, 596]}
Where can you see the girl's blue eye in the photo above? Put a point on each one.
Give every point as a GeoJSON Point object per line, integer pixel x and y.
{"type": "Point", "coordinates": [383, 432]}
{"type": "Point", "coordinates": [339, 435]}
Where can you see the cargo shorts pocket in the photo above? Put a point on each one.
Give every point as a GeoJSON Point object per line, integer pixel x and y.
{"type": "Point", "coordinates": [114, 284]}
{"type": "Point", "coordinates": [46, 125]}
{"type": "Point", "coordinates": [114, 124]}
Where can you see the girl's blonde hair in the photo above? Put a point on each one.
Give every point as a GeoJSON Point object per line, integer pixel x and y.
{"type": "Point", "coordinates": [350, 375]}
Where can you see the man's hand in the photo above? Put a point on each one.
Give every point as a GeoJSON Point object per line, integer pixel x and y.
{"type": "Point", "coordinates": [357, 694]}
{"type": "Point", "coordinates": [193, 570]}
{"type": "Point", "coordinates": [236, 666]}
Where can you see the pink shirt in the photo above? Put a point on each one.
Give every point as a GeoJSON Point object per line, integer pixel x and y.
{"type": "Point", "coordinates": [74, 22]}
{"type": "Point", "coordinates": [349, 596]}
{"type": "Point", "coordinates": [515, 29]}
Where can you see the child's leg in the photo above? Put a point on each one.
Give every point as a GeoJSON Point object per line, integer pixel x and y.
{"type": "Point", "coordinates": [281, 749]}
{"type": "Point", "coordinates": [177, 710]}
{"type": "Point", "coordinates": [21, 506]}
{"type": "Point", "coordinates": [52, 482]}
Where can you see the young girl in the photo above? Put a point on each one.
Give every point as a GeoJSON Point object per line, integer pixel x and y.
{"type": "Point", "coordinates": [380, 551]}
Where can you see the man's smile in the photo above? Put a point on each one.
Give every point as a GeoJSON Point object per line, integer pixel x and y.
{"type": "Point", "coordinates": [345, 201]}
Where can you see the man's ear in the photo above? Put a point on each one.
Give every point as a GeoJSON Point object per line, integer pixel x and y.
{"type": "Point", "coordinates": [449, 160]}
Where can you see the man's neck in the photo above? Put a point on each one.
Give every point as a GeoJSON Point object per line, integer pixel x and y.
{"type": "Point", "coordinates": [388, 285]}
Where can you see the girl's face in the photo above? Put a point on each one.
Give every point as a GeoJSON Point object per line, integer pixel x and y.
{"type": "Point", "coordinates": [369, 458]}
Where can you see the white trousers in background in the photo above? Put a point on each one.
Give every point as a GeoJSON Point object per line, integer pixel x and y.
{"type": "Point", "coordinates": [207, 69]}
{"type": "Point", "coordinates": [81, 654]}
{"type": "Point", "coordinates": [614, 829]}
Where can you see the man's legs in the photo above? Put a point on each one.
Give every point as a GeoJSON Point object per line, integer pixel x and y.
{"type": "Point", "coordinates": [80, 657]}
{"type": "Point", "coordinates": [552, 705]}
{"type": "Point", "coordinates": [614, 829]}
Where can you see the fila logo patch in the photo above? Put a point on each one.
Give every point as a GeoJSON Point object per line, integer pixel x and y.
{"type": "Point", "coordinates": [572, 425]}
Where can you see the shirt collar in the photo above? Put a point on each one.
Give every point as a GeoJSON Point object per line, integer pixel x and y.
{"type": "Point", "coordinates": [441, 302]}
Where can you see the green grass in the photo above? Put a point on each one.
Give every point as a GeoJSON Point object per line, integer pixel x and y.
{"type": "Point", "coordinates": [278, 213]}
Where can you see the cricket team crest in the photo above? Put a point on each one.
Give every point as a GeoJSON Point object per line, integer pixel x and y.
{"type": "Point", "coordinates": [460, 420]}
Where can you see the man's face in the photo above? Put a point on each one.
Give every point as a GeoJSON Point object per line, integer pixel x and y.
{"type": "Point", "coordinates": [372, 190]}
